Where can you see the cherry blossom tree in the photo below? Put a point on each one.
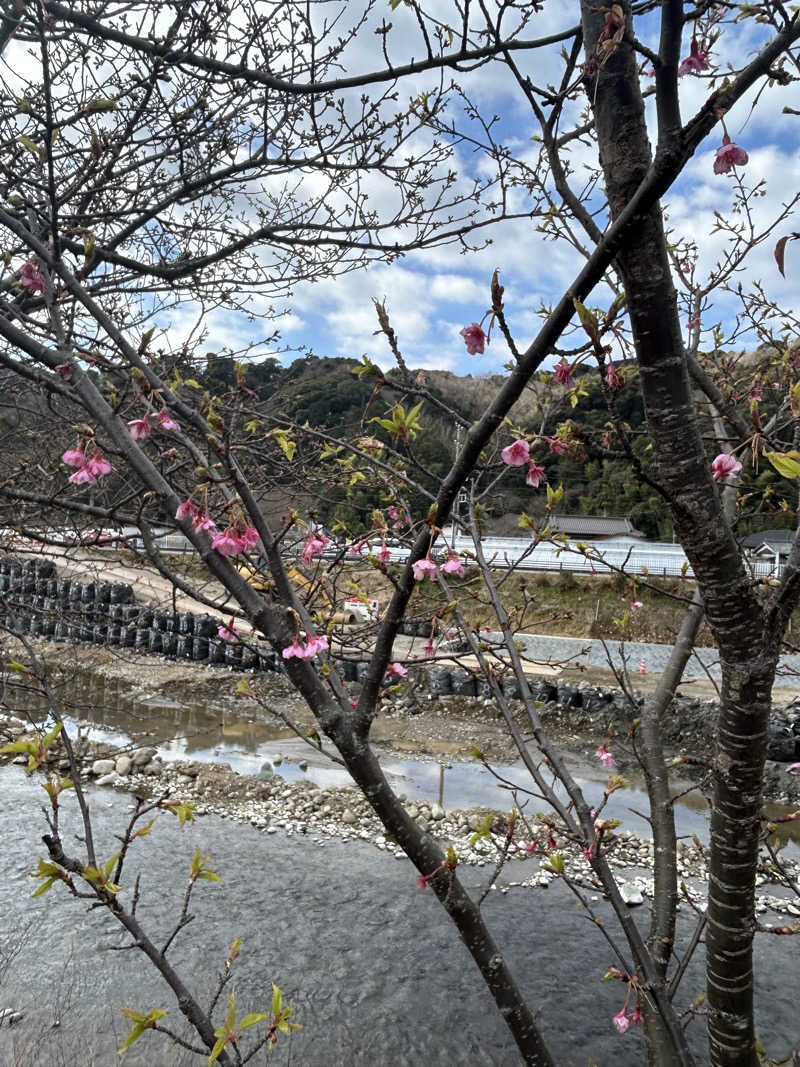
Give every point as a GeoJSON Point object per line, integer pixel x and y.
{"type": "Point", "coordinates": [208, 159]}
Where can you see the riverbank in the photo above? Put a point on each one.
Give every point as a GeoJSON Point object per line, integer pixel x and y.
{"type": "Point", "coordinates": [194, 711]}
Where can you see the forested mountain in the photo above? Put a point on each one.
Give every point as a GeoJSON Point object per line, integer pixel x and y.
{"type": "Point", "coordinates": [329, 395]}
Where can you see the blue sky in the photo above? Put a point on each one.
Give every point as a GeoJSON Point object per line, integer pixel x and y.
{"type": "Point", "coordinates": [431, 295]}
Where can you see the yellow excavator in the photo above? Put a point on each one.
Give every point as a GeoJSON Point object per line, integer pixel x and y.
{"type": "Point", "coordinates": [315, 596]}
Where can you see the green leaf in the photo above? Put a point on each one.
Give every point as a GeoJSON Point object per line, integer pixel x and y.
{"type": "Point", "coordinates": [51, 873]}
{"type": "Point", "coordinates": [785, 463]}
{"type": "Point", "coordinates": [287, 445]}
{"type": "Point", "coordinates": [230, 1018]}
{"type": "Point", "coordinates": [277, 1000]}
{"type": "Point", "coordinates": [219, 1045]}
{"type": "Point", "coordinates": [50, 737]}
{"type": "Point", "coordinates": [30, 144]}
{"type": "Point", "coordinates": [200, 870]}
{"type": "Point", "coordinates": [100, 104]}
{"type": "Point", "coordinates": [135, 1033]}
{"type": "Point", "coordinates": [251, 1020]}
{"type": "Point", "coordinates": [484, 830]}
{"type": "Point", "coordinates": [184, 810]}
{"type": "Point", "coordinates": [140, 1024]}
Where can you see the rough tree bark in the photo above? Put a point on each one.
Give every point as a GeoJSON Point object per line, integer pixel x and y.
{"type": "Point", "coordinates": [748, 653]}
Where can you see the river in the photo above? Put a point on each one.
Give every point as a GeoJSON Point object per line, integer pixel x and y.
{"type": "Point", "coordinates": [374, 968]}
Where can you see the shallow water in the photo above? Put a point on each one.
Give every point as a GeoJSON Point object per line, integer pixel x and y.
{"type": "Point", "coordinates": [378, 976]}
{"type": "Point", "coordinates": [112, 712]}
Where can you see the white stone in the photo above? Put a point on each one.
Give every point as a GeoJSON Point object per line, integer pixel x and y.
{"type": "Point", "coordinates": [103, 767]}
{"type": "Point", "coordinates": [123, 765]}
{"type": "Point", "coordinates": [631, 894]}
{"type": "Point", "coordinates": [112, 778]}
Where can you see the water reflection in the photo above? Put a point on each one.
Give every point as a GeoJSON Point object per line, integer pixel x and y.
{"type": "Point", "coordinates": [110, 710]}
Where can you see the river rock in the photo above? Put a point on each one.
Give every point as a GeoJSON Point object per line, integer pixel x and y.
{"type": "Point", "coordinates": [143, 756]}
{"type": "Point", "coordinates": [266, 771]}
{"type": "Point", "coordinates": [153, 769]}
{"type": "Point", "coordinates": [102, 767]}
{"type": "Point", "coordinates": [437, 812]}
{"type": "Point", "coordinates": [123, 765]}
{"type": "Point", "coordinates": [631, 894]}
{"type": "Point", "coordinates": [112, 778]}
{"type": "Point", "coordinates": [348, 818]}
{"type": "Point", "coordinates": [303, 765]}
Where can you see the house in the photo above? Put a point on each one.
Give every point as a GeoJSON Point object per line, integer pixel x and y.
{"type": "Point", "coordinates": [771, 545]}
{"type": "Point", "coordinates": [594, 527]}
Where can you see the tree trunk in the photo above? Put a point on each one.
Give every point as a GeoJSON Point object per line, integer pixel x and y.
{"type": "Point", "coordinates": [426, 855]}
{"type": "Point", "coordinates": [748, 656]}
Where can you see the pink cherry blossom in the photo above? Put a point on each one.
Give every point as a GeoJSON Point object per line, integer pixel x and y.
{"type": "Point", "coordinates": [397, 670]}
{"type": "Point", "coordinates": [557, 446]}
{"type": "Point", "coordinates": [605, 757]}
{"type": "Point", "coordinates": [588, 853]}
{"type": "Point", "coordinates": [32, 278]}
{"type": "Point", "coordinates": [295, 650]}
{"type": "Point", "coordinates": [383, 554]}
{"type": "Point", "coordinates": [98, 465]}
{"type": "Point", "coordinates": [454, 566]}
{"type": "Point", "coordinates": [64, 370]}
{"type": "Point", "coordinates": [516, 454]}
{"type": "Point", "coordinates": [356, 549]}
{"type": "Point", "coordinates": [724, 465]}
{"type": "Point", "coordinates": [187, 510]}
{"type": "Point", "coordinates": [621, 1020]}
{"type": "Point", "coordinates": [204, 523]}
{"type": "Point", "coordinates": [536, 475]}
{"type": "Point", "coordinates": [793, 768]}
{"type": "Point", "coordinates": [429, 650]}
{"type": "Point", "coordinates": [166, 421]}
{"type": "Point", "coordinates": [613, 380]}
{"type": "Point", "coordinates": [474, 339]}
{"type": "Point", "coordinates": [392, 512]}
{"type": "Point", "coordinates": [422, 882]}
{"type": "Point", "coordinates": [316, 645]}
{"type": "Point", "coordinates": [696, 61]}
{"type": "Point", "coordinates": [636, 1018]}
{"type": "Point", "coordinates": [635, 605]}
{"type": "Point", "coordinates": [532, 847]}
{"type": "Point", "coordinates": [227, 631]}
{"type": "Point", "coordinates": [563, 373]}
{"type": "Point", "coordinates": [140, 428]}
{"type": "Point", "coordinates": [728, 156]}
{"type": "Point", "coordinates": [249, 537]}
{"type": "Point", "coordinates": [83, 476]}
{"type": "Point", "coordinates": [74, 457]}
{"type": "Point", "coordinates": [424, 568]}
{"type": "Point", "coordinates": [314, 546]}
{"type": "Point", "coordinates": [229, 542]}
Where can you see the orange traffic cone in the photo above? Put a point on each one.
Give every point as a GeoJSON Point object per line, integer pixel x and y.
{"type": "Point", "coordinates": [642, 669]}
